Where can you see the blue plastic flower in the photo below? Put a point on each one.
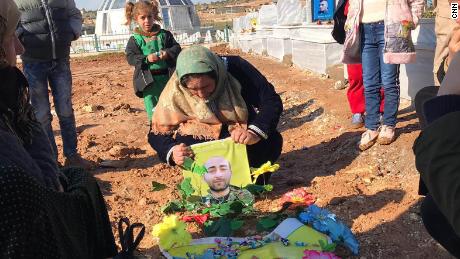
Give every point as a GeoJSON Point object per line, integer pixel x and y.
{"type": "Point", "coordinates": [339, 232]}
{"type": "Point", "coordinates": [324, 221]}
{"type": "Point", "coordinates": [306, 218]}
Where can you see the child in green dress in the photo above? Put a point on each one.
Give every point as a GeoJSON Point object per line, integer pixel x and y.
{"type": "Point", "coordinates": [151, 50]}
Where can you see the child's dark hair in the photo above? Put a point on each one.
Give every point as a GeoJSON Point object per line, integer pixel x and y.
{"type": "Point", "coordinates": [185, 79]}
{"type": "Point", "coordinates": [133, 9]}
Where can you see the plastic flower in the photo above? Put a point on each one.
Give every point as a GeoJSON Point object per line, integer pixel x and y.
{"type": "Point", "coordinates": [324, 221]}
{"type": "Point", "coordinates": [265, 168]}
{"type": "Point", "coordinates": [298, 197]}
{"type": "Point", "coordinates": [200, 219]}
{"type": "Point", "coordinates": [171, 232]}
{"type": "Point", "coordinates": [407, 24]}
{"type": "Point", "coordinates": [316, 216]}
{"type": "Point", "coordinates": [312, 254]}
{"type": "Point", "coordinates": [338, 232]}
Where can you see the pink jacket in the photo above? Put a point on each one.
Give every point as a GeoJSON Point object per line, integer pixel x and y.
{"type": "Point", "coordinates": [401, 17]}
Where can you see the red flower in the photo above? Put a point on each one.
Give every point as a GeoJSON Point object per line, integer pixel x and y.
{"type": "Point", "coordinates": [405, 22]}
{"type": "Point", "coordinates": [200, 219]}
{"type": "Point", "coordinates": [298, 197]}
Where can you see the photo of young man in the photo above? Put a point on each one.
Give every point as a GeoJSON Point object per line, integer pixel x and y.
{"type": "Point", "coordinates": [323, 7]}
{"type": "Point", "coordinates": [218, 176]}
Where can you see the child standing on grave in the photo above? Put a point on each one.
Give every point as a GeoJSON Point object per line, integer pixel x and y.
{"type": "Point", "coordinates": [151, 50]}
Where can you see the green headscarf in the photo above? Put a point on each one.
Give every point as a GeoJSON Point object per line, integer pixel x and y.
{"type": "Point", "coordinates": [178, 110]}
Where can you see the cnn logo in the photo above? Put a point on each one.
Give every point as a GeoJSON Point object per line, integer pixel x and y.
{"type": "Point", "coordinates": [454, 10]}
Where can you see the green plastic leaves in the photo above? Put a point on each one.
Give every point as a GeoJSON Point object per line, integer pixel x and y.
{"type": "Point", "coordinates": [223, 227]}
{"type": "Point", "coordinates": [171, 207]}
{"type": "Point", "coordinates": [259, 189]}
{"type": "Point", "coordinates": [194, 167]}
{"type": "Point", "coordinates": [186, 188]}
{"type": "Point", "coordinates": [156, 186]}
{"type": "Point", "coordinates": [266, 224]}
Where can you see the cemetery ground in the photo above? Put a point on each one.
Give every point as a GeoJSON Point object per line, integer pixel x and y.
{"type": "Point", "coordinates": [374, 192]}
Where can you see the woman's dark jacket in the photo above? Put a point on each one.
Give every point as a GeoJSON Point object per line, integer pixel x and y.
{"type": "Point", "coordinates": [437, 152]}
{"type": "Point", "coordinates": [142, 76]}
{"type": "Point", "coordinates": [264, 107]}
{"type": "Point", "coordinates": [37, 219]}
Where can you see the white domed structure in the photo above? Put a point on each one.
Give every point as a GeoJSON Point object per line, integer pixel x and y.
{"type": "Point", "coordinates": [178, 16]}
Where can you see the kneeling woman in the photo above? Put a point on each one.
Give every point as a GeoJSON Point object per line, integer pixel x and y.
{"type": "Point", "coordinates": [211, 97]}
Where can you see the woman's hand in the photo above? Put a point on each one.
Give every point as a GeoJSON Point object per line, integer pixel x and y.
{"type": "Point", "coordinates": [180, 152]}
{"type": "Point", "coordinates": [152, 58]}
{"type": "Point", "coordinates": [245, 137]}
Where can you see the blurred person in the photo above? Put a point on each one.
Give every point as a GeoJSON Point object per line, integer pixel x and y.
{"type": "Point", "coordinates": [212, 97]}
{"type": "Point", "coordinates": [444, 25]}
{"type": "Point", "coordinates": [46, 30]}
{"type": "Point", "coordinates": [45, 213]}
{"type": "Point", "coordinates": [23, 142]}
{"type": "Point", "coordinates": [449, 49]}
{"type": "Point", "coordinates": [437, 150]}
{"type": "Point", "coordinates": [378, 35]}
{"type": "Point", "coordinates": [151, 50]}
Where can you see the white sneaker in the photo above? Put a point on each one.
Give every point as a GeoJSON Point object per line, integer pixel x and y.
{"type": "Point", "coordinates": [368, 139]}
{"type": "Point", "coordinates": [386, 135]}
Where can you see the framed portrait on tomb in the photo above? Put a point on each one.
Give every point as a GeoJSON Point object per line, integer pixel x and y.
{"type": "Point", "coordinates": [323, 9]}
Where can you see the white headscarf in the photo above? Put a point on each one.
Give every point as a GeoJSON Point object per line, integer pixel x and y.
{"type": "Point", "coordinates": [9, 18]}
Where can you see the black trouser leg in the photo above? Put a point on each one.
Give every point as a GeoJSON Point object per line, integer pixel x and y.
{"type": "Point", "coordinates": [420, 98]}
{"type": "Point", "coordinates": [438, 227]}
{"type": "Point", "coordinates": [264, 151]}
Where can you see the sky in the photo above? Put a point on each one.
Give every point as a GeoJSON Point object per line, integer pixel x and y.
{"type": "Point", "coordinates": [94, 4]}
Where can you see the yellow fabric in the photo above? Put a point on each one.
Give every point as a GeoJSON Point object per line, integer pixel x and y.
{"type": "Point", "coordinates": [274, 250]}
{"type": "Point", "coordinates": [232, 152]}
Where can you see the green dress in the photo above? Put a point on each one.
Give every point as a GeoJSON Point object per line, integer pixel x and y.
{"type": "Point", "coordinates": [152, 45]}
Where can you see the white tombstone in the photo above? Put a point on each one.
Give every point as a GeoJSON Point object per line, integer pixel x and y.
{"type": "Point", "coordinates": [289, 12]}
{"type": "Point", "coordinates": [268, 15]}
{"type": "Point", "coordinates": [236, 25]}
{"type": "Point", "coordinates": [248, 19]}
{"type": "Point", "coordinates": [208, 37]}
{"type": "Point", "coordinates": [308, 12]}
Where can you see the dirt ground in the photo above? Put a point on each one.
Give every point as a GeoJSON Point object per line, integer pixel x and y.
{"type": "Point", "coordinates": [374, 192]}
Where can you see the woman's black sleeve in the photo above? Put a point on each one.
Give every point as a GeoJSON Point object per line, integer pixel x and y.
{"type": "Point", "coordinates": [162, 144]}
{"type": "Point", "coordinates": [259, 93]}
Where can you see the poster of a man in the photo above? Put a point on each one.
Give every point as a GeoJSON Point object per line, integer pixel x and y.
{"type": "Point", "coordinates": [323, 7]}
{"type": "Point", "coordinates": [218, 176]}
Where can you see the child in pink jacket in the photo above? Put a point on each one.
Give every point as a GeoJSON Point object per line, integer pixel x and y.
{"type": "Point", "coordinates": [378, 35]}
